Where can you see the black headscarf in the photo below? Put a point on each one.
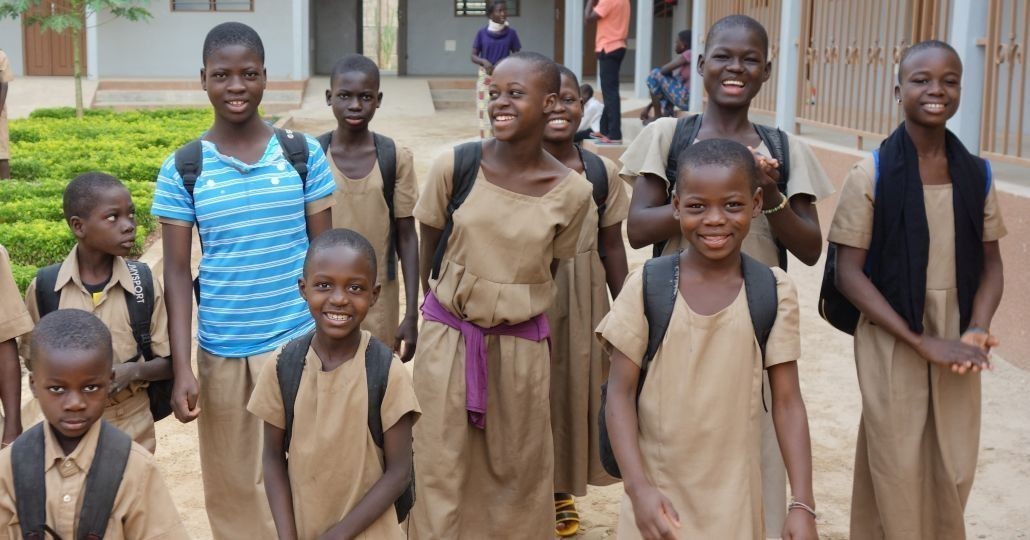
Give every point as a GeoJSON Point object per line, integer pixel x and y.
{"type": "Point", "coordinates": [899, 251]}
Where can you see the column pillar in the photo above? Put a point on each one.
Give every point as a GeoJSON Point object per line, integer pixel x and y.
{"type": "Point", "coordinates": [698, 30]}
{"type": "Point", "coordinates": [645, 30]}
{"type": "Point", "coordinates": [788, 67]}
{"type": "Point", "coordinates": [574, 37]}
{"type": "Point", "coordinates": [969, 23]}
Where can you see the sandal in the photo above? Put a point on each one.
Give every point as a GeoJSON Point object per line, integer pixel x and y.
{"type": "Point", "coordinates": [565, 515]}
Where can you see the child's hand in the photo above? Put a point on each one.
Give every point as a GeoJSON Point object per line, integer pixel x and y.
{"type": "Point", "coordinates": [769, 169]}
{"type": "Point", "coordinates": [124, 375]}
{"type": "Point", "coordinates": [959, 356]}
{"type": "Point", "coordinates": [655, 516]}
{"type": "Point", "coordinates": [488, 67]}
{"type": "Point", "coordinates": [800, 525]}
{"type": "Point", "coordinates": [982, 339]}
{"type": "Point", "coordinates": [407, 338]}
{"type": "Point", "coordinates": [185, 392]}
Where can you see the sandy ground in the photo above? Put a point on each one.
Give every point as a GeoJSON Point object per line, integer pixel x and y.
{"type": "Point", "coordinates": [1000, 501]}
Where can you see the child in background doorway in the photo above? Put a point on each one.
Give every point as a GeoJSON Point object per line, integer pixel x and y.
{"type": "Point", "coordinates": [494, 42]}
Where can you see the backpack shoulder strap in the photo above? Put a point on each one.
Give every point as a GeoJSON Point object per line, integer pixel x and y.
{"type": "Point", "coordinates": [776, 141]}
{"type": "Point", "coordinates": [661, 285]}
{"type": "Point", "coordinates": [597, 174]}
{"type": "Point", "coordinates": [47, 299]}
{"type": "Point", "coordinates": [762, 301]}
{"type": "Point", "coordinates": [27, 468]}
{"type": "Point", "coordinates": [386, 154]}
{"type": "Point", "coordinates": [378, 358]}
{"type": "Point", "coordinates": [189, 162]}
{"type": "Point", "coordinates": [140, 302]}
{"type": "Point", "coordinates": [295, 148]}
{"type": "Point", "coordinates": [686, 131]}
{"type": "Point", "coordinates": [289, 367]}
{"type": "Point", "coordinates": [466, 167]}
{"type": "Point", "coordinates": [102, 482]}
{"type": "Point", "coordinates": [324, 140]}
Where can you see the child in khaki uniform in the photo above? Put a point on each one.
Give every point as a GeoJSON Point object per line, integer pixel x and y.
{"type": "Point", "coordinates": [16, 322]}
{"type": "Point", "coordinates": [94, 278]}
{"type": "Point", "coordinates": [919, 349]}
{"type": "Point", "coordinates": [354, 159]}
{"type": "Point", "coordinates": [788, 220]}
{"type": "Point", "coordinates": [578, 363]}
{"type": "Point", "coordinates": [70, 377]}
{"type": "Point", "coordinates": [483, 447]}
{"type": "Point", "coordinates": [5, 151]}
{"type": "Point", "coordinates": [688, 444]}
{"type": "Point", "coordinates": [337, 483]}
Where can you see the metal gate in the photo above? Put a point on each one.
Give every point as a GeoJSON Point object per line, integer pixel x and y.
{"type": "Point", "coordinates": [849, 63]}
{"type": "Point", "coordinates": [1004, 106]}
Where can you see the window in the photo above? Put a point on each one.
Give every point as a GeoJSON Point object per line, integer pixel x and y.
{"type": "Point", "coordinates": [212, 5]}
{"type": "Point", "coordinates": [477, 8]}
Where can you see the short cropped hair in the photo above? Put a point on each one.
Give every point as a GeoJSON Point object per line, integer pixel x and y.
{"type": "Point", "coordinates": [737, 21]}
{"type": "Point", "coordinates": [82, 194]}
{"type": "Point", "coordinates": [922, 46]}
{"type": "Point", "coordinates": [334, 238]}
{"type": "Point", "coordinates": [566, 72]}
{"type": "Point", "coordinates": [356, 63]}
{"type": "Point", "coordinates": [71, 330]}
{"type": "Point", "coordinates": [233, 33]}
{"type": "Point", "coordinates": [586, 90]}
{"type": "Point", "coordinates": [491, 5]}
{"type": "Point", "coordinates": [719, 152]}
{"type": "Point", "coordinates": [685, 37]}
{"type": "Point", "coordinates": [545, 67]}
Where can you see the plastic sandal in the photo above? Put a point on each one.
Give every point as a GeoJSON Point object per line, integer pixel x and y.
{"type": "Point", "coordinates": [565, 515]}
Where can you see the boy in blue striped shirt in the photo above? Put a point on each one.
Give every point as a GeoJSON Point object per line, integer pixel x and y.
{"type": "Point", "coordinates": [255, 214]}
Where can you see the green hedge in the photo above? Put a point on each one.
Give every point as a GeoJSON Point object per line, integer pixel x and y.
{"type": "Point", "coordinates": [51, 147]}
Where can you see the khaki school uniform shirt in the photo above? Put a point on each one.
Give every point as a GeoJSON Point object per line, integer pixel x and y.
{"type": "Point", "coordinates": [14, 318]}
{"type": "Point", "coordinates": [497, 267]}
{"type": "Point", "coordinates": [333, 459]}
{"type": "Point", "coordinates": [701, 404]}
{"type": "Point", "coordinates": [649, 153]}
{"type": "Point", "coordinates": [111, 309]}
{"type": "Point", "coordinates": [142, 510]}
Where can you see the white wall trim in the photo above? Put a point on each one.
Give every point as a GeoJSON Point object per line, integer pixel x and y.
{"type": "Point", "coordinates": [968, 23]}
{"type": "Point", "coordinates": [644, 44]}
{"type": "Point", "coordinates": [787, 70]}
{"type": "Point", "coordinates": [573, 47]}
{"type": "Point", "coordinates": [300, 41]}
{"type": "Point", "coordinates": [697, 86]}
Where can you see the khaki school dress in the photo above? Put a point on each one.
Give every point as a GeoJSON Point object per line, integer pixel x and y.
{"type": "Point", "coordinates": [579, 364]}
{"type": "Point", "coordinates": [496, 482]}
{"type": "Point", "coordinates": [647, 155]}
{"type": "Point", "coordinates": [360, 206]}
{"type": "Point", "coordinates": [920, 429]}
{"type": "Point", "coordinates": [700, 410]}
{"type": "Point", "coordinates": [333, 459]}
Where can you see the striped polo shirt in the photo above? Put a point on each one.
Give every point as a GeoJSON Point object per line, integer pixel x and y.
{"type": "Point", "coordinates": [253, 228]}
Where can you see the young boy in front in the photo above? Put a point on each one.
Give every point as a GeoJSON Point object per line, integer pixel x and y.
{"type": "Point", "coordinates": [254, 214]}
{"type": "Point", "coordinates": [337, 483]}
{"type": "Point", "coordinates": [95, 277]}
{"type": "Point", "coordinates": [688, 446]}
{"type": "Point", "coordinates": [355, 157]}
{"type": "Point", "coordinates": [71, 374]}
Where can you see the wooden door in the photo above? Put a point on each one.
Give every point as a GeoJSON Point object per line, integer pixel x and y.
{"type": "Point", "coordinates": [47, 52]}
{"type": "Point", "coordinates": [559, 31]}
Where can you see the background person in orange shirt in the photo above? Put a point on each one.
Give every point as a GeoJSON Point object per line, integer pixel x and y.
{"type": "Point", "coordinates": [612, 18]}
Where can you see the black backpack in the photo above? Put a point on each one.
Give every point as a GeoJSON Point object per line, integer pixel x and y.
{"type": "Point", "coordinates": [775, 140]}
{"type": "Point", "coordinates": [189, 163]}
{"type": "Point", "coordinates": [290, 366]}
{"type": "Point", "coordinates": [386, 155]}
{"type": "Point", "coordinates": [141, 309]}
{"type": "Point", "coordinates": [102, 483]}
{"type": "Point", "coordinates": [661, 287]}
{"type": "Point", "coordinates": [467, 157]}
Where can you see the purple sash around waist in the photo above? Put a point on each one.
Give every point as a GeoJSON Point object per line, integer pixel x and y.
{"type": "Point", "coordinates": [535, 329]}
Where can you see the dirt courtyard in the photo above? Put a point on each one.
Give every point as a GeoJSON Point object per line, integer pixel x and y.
{"type": "Point", "coordinates": [999, 507]}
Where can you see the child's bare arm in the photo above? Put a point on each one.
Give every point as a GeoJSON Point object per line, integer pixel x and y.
{"type": "Point", "coordinates": [10, 390]}
{"type": "Point", "coordinates": [992, 284]}
{"type": "Point", "coordinates": [791, 421]}
{"type": "Point", "coordinates": [319, 222]}
{"type": "Point", "coordinates": [856, 286]}
{"type": "Point", "coordinates": [615, 265]}
{"type": "Point", "coordinates": [481, 62]}
{"type": "Point", "coordinates": [277, 483]}
{"type": "Point", "coordinates": [177, 242]}
{"type": "Point", "coordinates": [386, 490]}
{"type": "Point", "coordinates": [430, 239]}
{"type": "Point", "coordinates": [650, 214]}
{"type": "Point", "coordinates": [674, 64]}
{"type": "Point", "coordinates": [796, 225]}
{"type": "Point", "coordinates": [655, 516]}
{"type": "Point", "coordinates": [407, 247]}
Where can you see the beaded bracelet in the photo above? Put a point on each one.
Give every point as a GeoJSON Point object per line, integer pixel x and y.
{"type": "Point", "coordinates": [794, 503]}
{"type": "Point", "coordinates": [778, 207]}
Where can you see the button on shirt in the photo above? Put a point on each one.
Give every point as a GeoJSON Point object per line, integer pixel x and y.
{"type": "Point", "coordinates": [253, 228]}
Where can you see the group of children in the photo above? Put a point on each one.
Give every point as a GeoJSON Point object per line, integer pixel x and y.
{"type": "Point", "coordinates": [310, 426]}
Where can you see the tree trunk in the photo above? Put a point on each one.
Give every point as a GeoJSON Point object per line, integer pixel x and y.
{"type": "Point", "coordinates": [77, 63]}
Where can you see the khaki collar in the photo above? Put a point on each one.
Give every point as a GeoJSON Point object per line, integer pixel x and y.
{"type": "Point", "coordinates": [83, 454]}
{"type": "Point", "coordinates": [70, 272]}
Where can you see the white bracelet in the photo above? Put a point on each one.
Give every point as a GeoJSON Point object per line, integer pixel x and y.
{"type": "Point", "coordinates": [794, 503]}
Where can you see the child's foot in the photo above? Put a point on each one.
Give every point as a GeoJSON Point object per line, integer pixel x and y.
{"type": "Point", "coordinates": [565, 515]}
{"type": "Point", "coordinates": [605, 140]}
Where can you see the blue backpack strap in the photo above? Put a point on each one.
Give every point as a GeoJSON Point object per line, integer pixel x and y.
{"type": "Point", "coordinates": [27, 467]}
{"type": "Point", "coordinates": [386, 155]}
{"type": "Point", "coordinates": [289, 367]}
{"type": "Point", "coordinates": [102, 482]}
{"type": "Point", "coordinates": [467, 158]}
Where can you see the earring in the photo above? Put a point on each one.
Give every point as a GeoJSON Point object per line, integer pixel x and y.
{"type": "Point", "coordinates": [899, 100]}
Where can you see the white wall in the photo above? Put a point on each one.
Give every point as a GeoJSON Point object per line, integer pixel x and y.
{"type": "Point", "coordinates": [11, 43]}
